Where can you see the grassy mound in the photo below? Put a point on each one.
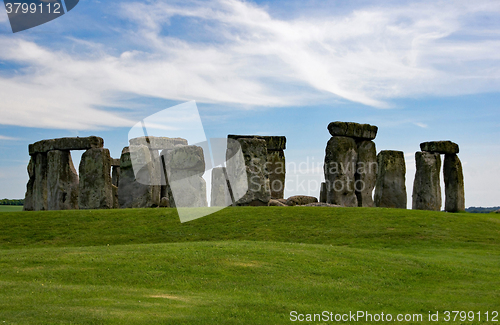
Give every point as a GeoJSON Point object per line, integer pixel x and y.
{"type": "Point", "coordinates": [247, 265]}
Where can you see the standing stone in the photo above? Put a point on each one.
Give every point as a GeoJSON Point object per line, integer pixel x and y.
{"type": "Point", "coordinates": [114, 189]}
{"type": "Point", "coordinates": [28, 197]}
{"type": "Point", "coordinates": [340, 166]}
{"type": "Point", "coordinates": [426, 187]}
{"type": "Point", "coordinates": [136, 191]}
{"type": "Point", "coordinates": [185, 167]}
{"type": "Point", "coordinates": [322, 193]}
{"type": "Point", "coordinates": [62, 181]}
{"type": "Point", "coordinates": [40, 184]}
{"type": "Point", "coordinates": [390, 190]}
{"type": "Point", "coordinates": [366, 173]}
{"type": "Point", "coordinates": [219, 194]}
{"type": "Point", "coordinates": [276, 167]}
{"type": "Point", "coordinates": [246, 160]}
{"type": "Point", "coordinates": [95, 180]}
{"type": "Point", "coordinates": [453, 184]}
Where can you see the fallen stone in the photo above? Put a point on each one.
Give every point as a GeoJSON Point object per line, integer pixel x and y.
{"type": "Point", "coordinates": [76, 143]}
{"type": "Point", "coordinates": [157, 143]}
{"type": "Point", "coordinates": [321, 204]}
{"type": "Point", "coordinates": [300, 200]}
{"type": "Point", "coordinates": [390, 190]}
{"type": "Point", "coordinates": [442, 147]}
{"type": "Point", "coordinates": [353, 130]}
{"type": "Point", "coordinates": [62, 181]}
{"type": "Point", "coordinates": [95, 187]}
{"type": "Point", "coordinates": [453, 184]}
{"type": "Point", "coordinates": [366, 173]}
{"type": "Point", "coordinates": [276, 203]}
{"type": "Point", "coordinates": [340, 166]}
{"type": "Point", "coordinates": [246, 160]}
{"type": "Point", "coordinates": [426, 187]}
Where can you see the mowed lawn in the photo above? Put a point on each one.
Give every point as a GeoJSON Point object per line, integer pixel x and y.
{"type": "Point", "coordinates": [245, 265]}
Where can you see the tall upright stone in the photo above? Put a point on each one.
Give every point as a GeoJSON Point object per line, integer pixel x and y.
{"type": "Point", "coordinates": [453, 184]}
{"type": "Point", "coordinates": [219, 194]}
{"type": "Point", "coordinates": [139, 188]}
{"type": "Point", "coordinates": [426, 187]}
{"type": "Point", "coordinates": [28, 197]}
{"type": "Point", "coordinates": [62, 181]}
{"type": "Point", "coordinates": [95, 180]}
{"type": "Point", "coordinates": [115, 171]}
{"type": "Point", "coordinates": [247, 171]}
{"type": "Point", "coordinates": [322, 192]}
{"type": "Point", "coordinates": [185, 167]}
{"type": "Point", "coordinates": [276, 166]}
{"type": "Point", "coordinates": [390, 190]}
{"type": "Point", "coordinates": [40, 191]}
{"type": "Point", "coordinates": [340, 166]}
{"type": "Point", "coordinates": [366, 173]}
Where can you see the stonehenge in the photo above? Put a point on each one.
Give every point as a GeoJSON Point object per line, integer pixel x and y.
{"type": "Point", "coordinates": [427, 187]}
{"type": "Point", "coordinates": [168, 172]}
{"type": "Point", "coordinates": [390, 189]}
{"type": "Point", "coordinates": [350, 164]}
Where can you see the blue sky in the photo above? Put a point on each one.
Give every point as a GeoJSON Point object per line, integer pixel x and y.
{"type": "Point", "coordinates": [420, 71]}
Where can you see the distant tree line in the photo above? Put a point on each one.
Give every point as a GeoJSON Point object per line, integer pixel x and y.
{"type": "Point", "coordinates": [12, 202]}
{"type": "Point", "coordinates": [481, 209]}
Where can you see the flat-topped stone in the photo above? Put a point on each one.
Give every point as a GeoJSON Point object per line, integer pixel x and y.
{"type": "Point", "coordinates": [274, 142]}
{"type": "Point", "coordinates": [158, 143]}
{"type": "Point", "coordinates": [75, 143]}
{"type": "Point", "coordinates": [353, 130]}
{"type": "Point", "coordinates": [115, 162]}
{"type": "Point", "coordinates": [442, 147]}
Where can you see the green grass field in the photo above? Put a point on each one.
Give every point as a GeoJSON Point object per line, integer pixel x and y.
{"type": "Point", "coordinates": [245, 265]}
{"type": "Point", "coordinates": [11, 208]}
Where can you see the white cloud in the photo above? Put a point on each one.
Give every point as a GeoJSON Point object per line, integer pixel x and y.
{"type": "Point", "coordinates": [4, 137]}
{"type": "Point", "coordinates": [247, 57]}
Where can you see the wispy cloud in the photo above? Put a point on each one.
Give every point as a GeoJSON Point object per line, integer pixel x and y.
{"type": "Point", "coordinates": [422, 125]}
{"type": "Point", "coordinates": [3, 137]}
{"type": "Point", "coordinates": [248, 57]}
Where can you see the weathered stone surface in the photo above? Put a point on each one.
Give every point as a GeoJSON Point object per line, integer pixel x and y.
{"type": "Point", "coordinates": [340, 166]}
{"type": "Point", "coordinates": [453, 184]}
{"type": "Point", "coordinates": [276, 170]}
{"type": "Point", "coordinates": [443, 147]}
{"type": "Point", "coordinates": [62, 181]}
{"type": "Point", "coordinates": [157, 143]}
{"type": "Point", "coordinates": [276, 203]}
{"type": "Point", "coordinates": [40, 182]}
{"type": "Point", "coordinates": [272, 142]}
{"type": "Point", "coordinates": [321, 204]}
{"type": "Point", "coordinates": [76, 143]}
{"type": "Point", "coordinates": [426, 187]}
{"type": "Point", "coordinates": [219, 195]}
{"type": "Point", "coordinates": [300, 200]}
{"type": "Point", "coordinates": [353, 130]}
{"type": "Point", "coordinates": [366, 173]}
{"type": "Point", "coordinates": [28, 197]}
{"type": "Point", "coordinates": [115, 162]}
{"type": "Point", "coordinates": [137, 191]}
{"type": "Point", "coordinates": [390, 190]}
{"type": "Point", "coordinates": [95, 180]}
{"type": "Point", "coordinates": [322, 193]}
{"type": "Point", "coordinates": [247, 171]}
{"type": "Point", "coordinates": [185, 167]}
{"type": "Point", "coordinates": [114, 190]}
